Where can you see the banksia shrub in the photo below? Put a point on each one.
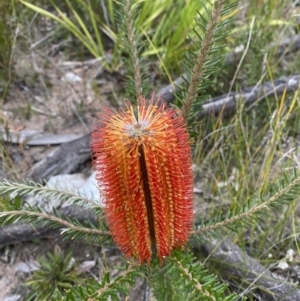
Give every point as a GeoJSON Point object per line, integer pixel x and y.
{"type": "Point", "coordinates": [144, 170]}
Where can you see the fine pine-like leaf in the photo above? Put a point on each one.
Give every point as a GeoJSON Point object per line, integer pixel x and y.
{"type": "Point", "coordinates": [209, 35]}
{"type": "Point", "coordinates": [30, 188]}
{"type": "Point", "coordinates": [136, 81]}
{"type": "Point", "coordinates": [70, 228]}
{"type": "Point", "coordinates": [281, 193]}
{"type": "Point", "coordinates": [183, 278]}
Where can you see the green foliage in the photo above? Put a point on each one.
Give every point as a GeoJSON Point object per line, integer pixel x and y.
{"type": "Point", "coordinates": [199, 66]}
{"type": "Point", "coordinates": [56, 272]}
{"type": "Point", "coordinates": [166, 25]}
{"type": "Point", "coordinates": [182, 278]}
{"type": "Point", "coordinates": [88, 27]}
{"type": "Point", "coordinates": [107, 289]}
{"type": "Point", "coordinates": [6, 202]}
{"type": "Point", "coordinates": [163, 24]}
{"type": "Point", "coordinates": [137, 84]}
{"type": "Point", "coordinates": [279, 194]}
{"type": "Point", "coordinates": [74, 229]}
{"type": "Point", "coordinates": [179, 279]}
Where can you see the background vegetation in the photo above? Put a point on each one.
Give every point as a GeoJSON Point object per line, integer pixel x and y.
{"type": "Point", "coordinates": [237, 155]}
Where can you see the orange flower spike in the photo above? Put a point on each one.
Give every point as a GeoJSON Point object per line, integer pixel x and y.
{"type": "Point", "coordinates": [144, 170]}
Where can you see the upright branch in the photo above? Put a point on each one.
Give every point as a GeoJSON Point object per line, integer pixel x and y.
{"type": "Point", "coordinates": [201, 59]}
{"type": "Point", "coordinates": [133, 49]}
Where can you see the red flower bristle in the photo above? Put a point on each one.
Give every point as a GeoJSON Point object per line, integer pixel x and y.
{"type": "Point", "coordinates": [143, 161]}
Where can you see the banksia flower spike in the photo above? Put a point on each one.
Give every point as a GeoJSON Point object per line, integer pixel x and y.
{"type": "Point", "coordinates": [143, 161]}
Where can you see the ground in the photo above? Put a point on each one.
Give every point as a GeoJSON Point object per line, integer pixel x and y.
{"type": "Point", "coordinates": [56, 95]}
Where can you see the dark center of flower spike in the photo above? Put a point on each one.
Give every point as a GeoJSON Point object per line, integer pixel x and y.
{"type": "Point", "coordinates": [148, 200]}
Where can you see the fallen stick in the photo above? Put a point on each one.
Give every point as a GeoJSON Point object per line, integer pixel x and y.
{"type": "Point", "coordinates": [34, 138]}
{"type": "Point", "coordinates": [228, 101]}
{"type": "Point", "coordinates": [238, 267]}
{"type": "Point", "coordinates": [251, 95]}
{"type": "Point", "coordinates": [65, 159]}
